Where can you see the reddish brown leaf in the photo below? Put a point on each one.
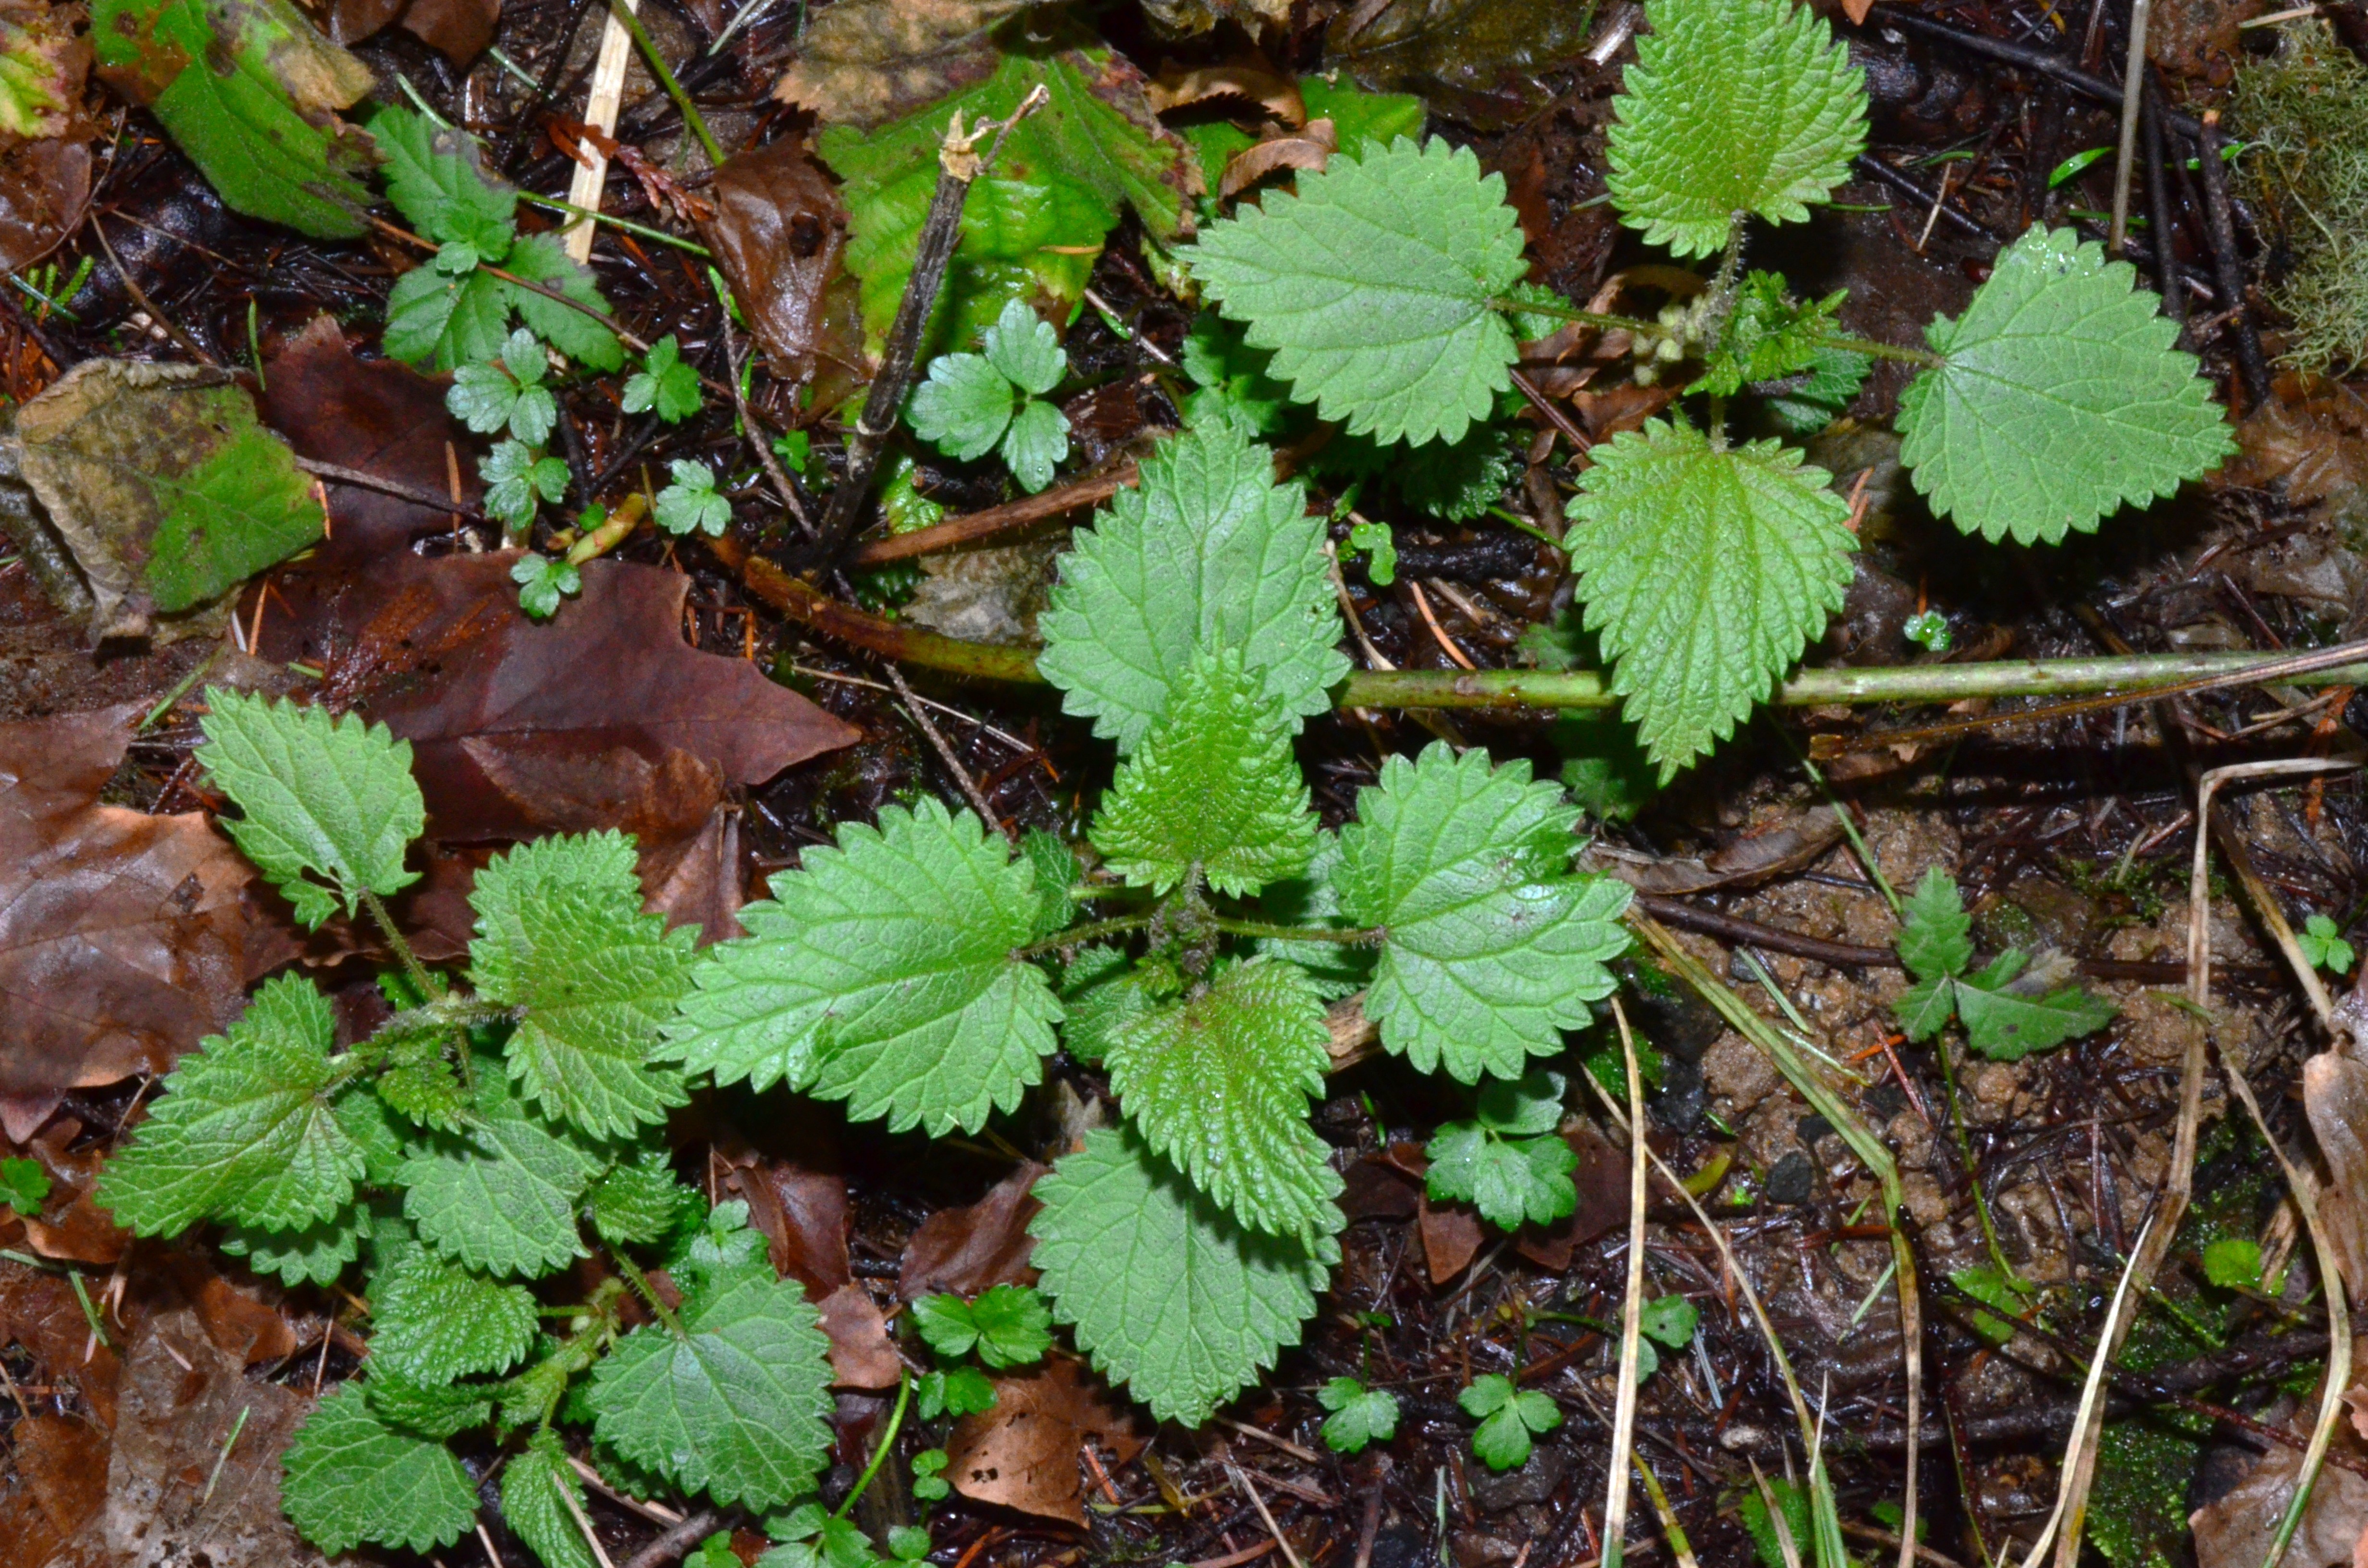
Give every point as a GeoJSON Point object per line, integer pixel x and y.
{"type": "Point", "coordinates": [376, 415]}
{"type": "Point", "coordinates": [44, 189]}
{"type": "Point", "coordinates": [1377, 1189]}
{"type": "Point", "coordinates": [72, 1226]}
{"type": "Point", "coordinates": [1248, 78]}
{"type": "Point", "coordinates": [1309, 149]}
{"type": "Point", "coordinates": [1024, 1453]}
{"type": "Point", "coordinates": [39, 1312]}
{"type": "Point", "coordinates": [61, 1462]}
{"type": "Point", "coordinates": [122, 938]}
{"type": "Point", "coordinates": [1451, 1235]}
{"type": "Point", "coordinates": [1602, 1182]}
{"type": "Point", "coordinates": [778, 233]}
{"type": "Point", "coordinates": [802, 1214]}
{"type": "Point", "coordinates": [966, 1251]}
{"type": "Point", "coordinates": [459, 30]}
{"type": "Point", "coordinates": [861, 1353]}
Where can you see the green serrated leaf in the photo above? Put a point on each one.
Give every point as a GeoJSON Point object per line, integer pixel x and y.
{"type": "Point", "coordinates": [881, 973]}
{"type": "Point", "coordinates": [1032, 224]}
{"type": "Point", "coordinates": [1103, 989]}
{"type": "Point", "coordinates": [1374, 285]}
{"type": "Point", "coordinates": [1008, 1325]}
{"type": "Point", "coordinates": [1925, 1009]}
{"type": "Point", "coordinates": [1456, 481]}
{"type": "Point", "coordinates": [436, 177]}
{"type": "Point", "coordinates": [1230, 376]}
{"type": "Point", "coordinates": [537, 1485]}
{"type": "Point", "coordinates": [1705, 570]}
{"type": "Point", "coordinates": [1164, 1290]}
{"type": "Point", "coordinates": [432, 316]}
{"type": "Point", "coordinates": [1360, 1416]}
{"type": "Point", "coordinates": [24, 1186]}
{"type": "Point", "coordinates": [1732, 106]}
{"type": "Point", "coordinates": [581, 330]}
{"type": "Point", "coordinates": [1526, 1106]}
{"type": "Point", "coordinates": [1806, 403]}
{"type": "Point", "coordinates": [2007, 1021]}
{"type": "Point", "coordinates": [1215, 786]}
{"type": "Point", "coordinates": [1768, 335]}
{"type": "Point", "coordinates": [543, 582]}
{"type": "Point", "coordinates": [639, 1202]}
{"type": "Point", "coordinates": [1218, 1086]}
{"type": "Point", "coordinates": [1055, 866]}
{"type": "Point", "coordinates": [1936, 935]}
{"type": "Point", "coordinates": [315, 1255]}
{"type": "Point", "coordinates": [690, 505]}
{"type": "Point", "coordinates": [1312, 897]}
{"type": "Point", "coordinates": [663, 383]}
{"type": "Point", "coordinates": [244, 1128]}
{"type": "Point", "coordinates": [1023, 347]}
{"type": "Point", "coordinates": [963, 406]}
{"type": "Point", "coordinates": [426, 1410]}
{"type": "Point", "coordinates": [560, 933]}
{"type": "Point", "coordinates": [433, 1322]}
{"type": "Point", "coordinates": [2060, 398]}
{"type": "Point", "coordinates": [501, 1200]}
{"type": "Point", "coordinates": [258, 115]}
{"type": "Point", "coordinates": [351, 1478]}
{"type": "Point", "coordinates": [1208, 552]}
{"type": "Point", "coordinates": [1034, 444]}
{"type": "Point", "coordinates": [1491, 949]}
{"type": "Point", "coordinates": [335, 798]}
{"type": "Point", "coordinates": [956, 1391]}
{"type": "Point", "coordinates": [731, 1403]}
{"type": "Point", "coordinates": [1512, 1181]}
{"type": "Point", "coordinates": [1670, 1319]}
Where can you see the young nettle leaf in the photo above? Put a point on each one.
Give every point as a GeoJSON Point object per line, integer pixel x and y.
{"type": "Point", "coordinates": [1055, 865]}
{"type": "Point", "coordinates": [1360, 1416]}
{"type": "Point", "coordinates": [1732, 108]}
{"type": "Point", "coordinates": [639, 1203]}
{"type": "Point", "coordinates": [351, 1478]}
{"type": "Point", "coordinates": [1376, 286]}
{"type": "Point", "coordinates": [537, 1485]}
{"type": "Point", "coordinates": [517, 479]}
{"type": "Point", "coordinates": [543, 582]}
{"type": "Point", "coordinates": [1768, 335]}
{"type": "Point", "coordinates": [427, 1410]}
{"type": "Point", "coordinates": [335, 798]}
{"type": "Point", "coordinates": [690, 505]}
{"type": "Point", "coordinates": [881, 973]}
{"type": "Point", "coordinates": [1705, 569]}
{"type": "Point", "coordinates": [1218, 1086]}
{"type": "Point", "coordinates": [24, 1186]}
{"type": "Point", "coordinates": [1491, 949]}
{"type": "Point", "coordinates": [579, 330]}
{"type": "Point", "coordinates": [1936, 935]}
{"type": "Point", "coordinates": [1214, 789]}
{"type": "Point", "coordinates": [561, 934]}
{"type": "Point", "coordinates": [2060, 398]}
{"type": "Point", "coordinates": [1507, 1416]}
{"type": "Point", "coordinates": [316, 1255]}
{"type": "Point", "coordinates": [244, 1128]}
{"type": "Point", "coordinates": [506, 392]}
{"type": "Point", "coordinates": [502, 1198]}
{"type": "Point", "coordinates": [665, 383]}
{"type": "Point", "coordinates": [433, 1322]}
{"type": "Point", "coordinates": [729, 1397]}
{"type": "Point", "coordinates": [1208, 552]}
{"type": "Point", "coordinates": [1805, 403]}
{"type": "Point", "coordinates": [434, 176]}
{"type": "Point", "coordinates": [1008, 1325]}
{"type": "Point", "coordinates": [1104, 989]}
{"type": "Point", "coordinates": [1231, 377]}
{"type": "Point", "coordinates": [2007, 1018]}
{"type": "Point", "coordinates": [1165, 1291]}
{"type": "Point", "coordinates": [256, 115]}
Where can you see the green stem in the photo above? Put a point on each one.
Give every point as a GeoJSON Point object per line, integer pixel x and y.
{"type": "Point", "coordinates": [1522, 524]}
{"type": "Point", "coordinates": [1352, 938]}
{"type": "Point", "coordinates": [641, 1283]}
{"type": "Point", "coordinates": [1077, 934]}
{"type": "Point", "coordinates": [1571, 312]}
{"type": "Point", "coordinates": [181, 691]}
{"type": "Point", "coordinates": [880, 1454]}
{"type": "Point", "coordinates": [569, 208]}
{"type": "Point", "coordinates": [429, 985]}
{"type": "Point", "coordinates": [1966, 1157]}
{"type": "Point", "coordinates": [658, 68]}
{"type": "Point", "coordinates": [1874, 351]}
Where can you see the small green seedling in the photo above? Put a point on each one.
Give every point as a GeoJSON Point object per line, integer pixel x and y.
{"type": "Point", "coordinates": [1508, 1161]}
{"type": "Point", "coordinates": [544, 583]}
{"type": "Point", "coordinates": [974, 403]}
{"type": "Point", "coordinates": [690, 503]}
{"type": "Point", "coordinates": [24, 1186]}
{"type": "Point", "coordinates": [507, 391]}
{"type": "Point", "coordinates": [2323, 945]}
{"type": "Point", "coordinates": [1507, 1418]}
{"type": "Point", "coordinates": [2006, 1014]}
{"type": "Point", "coordinates": [1359, 1415]}
{"type": "Point", "coordinates": [663, 383]}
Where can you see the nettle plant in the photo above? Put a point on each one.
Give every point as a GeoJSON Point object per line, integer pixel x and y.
{"type": "Point", "coordinates": [1387, 288]}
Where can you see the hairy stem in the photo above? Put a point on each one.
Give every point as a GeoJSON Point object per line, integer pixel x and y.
{"type": "Point", "coordinates": [1572, 313]}
{"type": "Point", "coordinates": [1076, 935]}
{"type": "Point", "coordinates": [429, 985]}
{"type": "Point", "coordinates": [1352, 938]}
{"type": "Point", "coordinates": [641, 1288]}
{"type": "Point", "coordinates": [1874, 351]}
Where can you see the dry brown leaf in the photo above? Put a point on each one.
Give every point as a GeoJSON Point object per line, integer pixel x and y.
{"type": "Point", "coordinates": [2335, 1093]}
{"type": "Point", "coordinates": [178, 1490]}
{"type": "Point", "coordinates": [1601, 1178]}
{"type": "Point", "coordinates": [1311, 149]}
{"type": "Point", "coordinates": [862, 61]}
{"type": "Point", "coordinates": [61, 1483]}
{"type": "Point", "coordinates": [778, 233]}
{"type": "Point", "coordinates": [803, 1216]}
{"type": "Point", "coordinates": [1794, 845]}
{"type": "Point", "coordinates": [1476, 61]}
{"type": "Point", "coordinates": [1249, 78]}
{"type": "Point", "coordinates": [2234, 1531]}
{"type": "Point", "coordinates": [459, 29]}
{"type": "Point", "coordinates": [1182, 19]}
{"type": "Point", "coordinates": [1450, 1237]}
{"type": "Point", "coordinates": [861, 1353]}
{"type": "Point", "coordinates": [1024, 1453]}
{"type": "Point", "coordinates": [969, 1250]}
{"type": "Point", "coordinates": [122, 937]}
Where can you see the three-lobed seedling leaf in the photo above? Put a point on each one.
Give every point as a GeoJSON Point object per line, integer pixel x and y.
{"type": "Point", "coordinates": [970, 404]}
{"type": "Point", "coordinates": [1360, 1416]}
{"type": "Point", "coordinates": [1007, 1325]}
{"type": "Point", "coordinates": [690, 504]}
{"type": "Point", "coordinates": [1508, 1161]}
{"type": "Point", "coordinates": [1508, 1419]}
{"type": "Point", "coordinates": [2006, 1014]}
{"type": "Point", "coordinates": [506, 392]}
{"type": "Point", "coordinates": [665, 384]}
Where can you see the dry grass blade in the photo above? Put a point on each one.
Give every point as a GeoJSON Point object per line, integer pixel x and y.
{"type": "Point", "coordinates": [1862, 1142]}
{"type": "Point", "coordinates": [2079, 1455]}
{"type": "Point", "coordinates": [2257, 893]}
{"type": "Point", "coordinates": [2339, 1323]}
{"type": "Point", "coordinates": [1623, 1411]}
{"type": "Point", "coordinates": [605, 95]}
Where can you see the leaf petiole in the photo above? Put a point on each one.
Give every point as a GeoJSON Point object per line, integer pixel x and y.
{"type": "Point", "coordinates": [1077, 936]}
{"type": "Point", "coordinates": [1874, 351]}
{"type": "Point", "coordinates": [1572, 313]}
{"type": "Point", "coordinates": [880, 1452]}
{"type": "Point", "coordinates": [1354, 936]}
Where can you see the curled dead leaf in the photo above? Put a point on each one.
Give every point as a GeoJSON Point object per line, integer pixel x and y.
{"type": "Point", "coordinates": [2335, 1094]}
{"type": "Point", "coordinates": [780, 233]}
{"type": "Point", "coordinates": [1311, 149]}
{"type": "Point", "coordinates": [976, 1248]}
{"type": "Point", "coordinates": [1024, 1453]}
{"type": "Point", "coordinates": [861, 1353]}
{"type": "Point", "coordinates": [1248, 78]}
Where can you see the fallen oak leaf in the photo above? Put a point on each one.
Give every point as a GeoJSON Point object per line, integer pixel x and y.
{"type": "Point", "coordinates": [122, 935]}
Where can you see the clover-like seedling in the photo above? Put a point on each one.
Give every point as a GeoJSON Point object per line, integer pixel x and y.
{"type": "Point", "coordinates": [1359, 1415]}
{"type": "Point", "coordinates": [518, 481]}
{"type": "Point", "coordinates": [663, 383]}
{"type": "Point", "coordinates": [24, 1186]}
{"type": "Point", "coordinates": [2323, 946]}
{"type": "Point", "coordinates": [1507, 1418]}
{"type": "Point", "coordinates": [1508, 1162]}
{"type": "Point", "coordinates": [2007, 1013]}
{"type": "Point", "coordinates": [543, 582]}
{"type": "Point", "coordinates": [507, 391]}
{"type": "Point", "coordinates": [974, 403]}
{"type": "Point", "coordinates": [690, 504]}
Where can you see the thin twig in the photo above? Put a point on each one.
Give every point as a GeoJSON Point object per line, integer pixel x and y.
{"type": "Point", "coordinates": [365, 479]}
{"type": "Point", "coordinates": [764, 449]}
{"type": "Point", "coordinates": [2125, 153]}
{"type": "Point", "coordinates": [971, 792]}
{"type": "Point", "coordinates": [669, 1547]}
{"type": "Point", "coordinates": [131, 286]}
{"type": "Point", "coordinates": [1259, 1504]}
{"type": "Point", "coordinates": [1623, 1409]}
{"type": "Point", "coordinates": [2220, 222]}
{"type": "Point", "coordinates": [978, 526]}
